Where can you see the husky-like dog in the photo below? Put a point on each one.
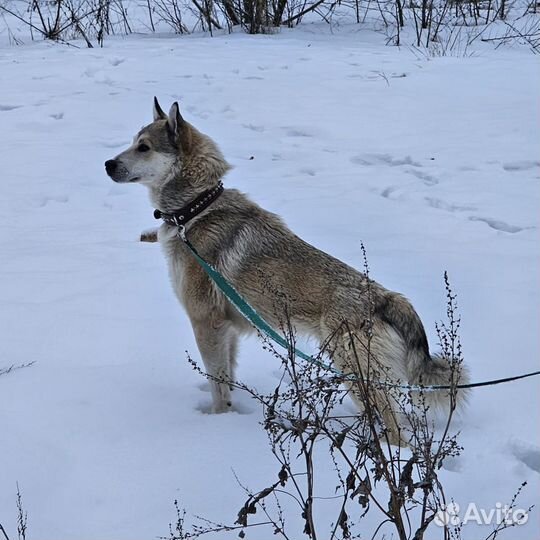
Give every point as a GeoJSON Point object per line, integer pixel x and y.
{"type": "Point", "coordinates": [258, 254]}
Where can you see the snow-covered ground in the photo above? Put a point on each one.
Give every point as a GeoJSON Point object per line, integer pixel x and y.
{"type": "Point", "coordinates": [433, 163]}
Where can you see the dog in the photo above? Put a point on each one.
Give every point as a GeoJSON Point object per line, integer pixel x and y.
{"type": "Point", "coordinates": [257, 253]}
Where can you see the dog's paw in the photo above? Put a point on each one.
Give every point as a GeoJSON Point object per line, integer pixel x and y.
{"type": "Point", "coordinates": [211, 408]}
{"type": "Point", "coordinates": [150, 235]}
{"type": "Point", "coordinates": [206, 407]}
{"type": "Point", "coordinates": [222, 407]}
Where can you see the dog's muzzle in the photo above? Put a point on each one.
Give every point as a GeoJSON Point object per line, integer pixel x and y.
{"type": "Point", "coordinates": [118, 173]}
{"type": "Point", "coordinates": [110, 166]}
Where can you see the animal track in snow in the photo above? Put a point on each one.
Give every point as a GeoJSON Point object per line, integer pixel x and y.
{"type": "Point", "coordinates": [258, 129]}
{"type": "Point", "coordinates": [499, 225]}
{"type": "Point", "coordinates": [116, 61]}
{"type": "Point", "coordinates": [520, 165]}
{"type": "Point", "coordinates": [528, 454]}
{"type": "Point", "coordinates": [9, 107]}
{"type": "Point", "coordinates": [449, 207]}
{"type": "Point", "coordinates": [295, 132]}
{"type": "Point", "coordinates": [388, 191]}
{"type": "Point", "coordinates": [99, 76]}
{"type": "Point", "coordinates": [44, 201]}
{"type": "Point", "coordinates": [428, 179]}
{"type": "Point", "coordinates": [196, 112]}
{"type": "Point", "coordinates": [384, 159]}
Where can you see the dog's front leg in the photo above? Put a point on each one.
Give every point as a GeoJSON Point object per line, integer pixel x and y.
{"type": "Point", "coordinates": [216, 340]}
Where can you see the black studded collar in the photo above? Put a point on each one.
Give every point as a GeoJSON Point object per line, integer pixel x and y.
{"type": "Point", "coordinates": [194, 208]}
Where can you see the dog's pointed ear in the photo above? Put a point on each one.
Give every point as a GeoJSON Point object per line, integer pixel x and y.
{"type": "Point", "coordinates": [175, 119]}
{"type": "Point", "coordinates": [179, 128]}
{"type": "Point", "coordinates": [158, 111]}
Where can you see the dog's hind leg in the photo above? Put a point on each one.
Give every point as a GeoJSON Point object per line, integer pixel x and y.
{"type": "Point", "coordinates": [216, 340]}
{"type": "Point", "coordinates": [358, 356]}
{"type": "Point", "coordinates": [366, 393]}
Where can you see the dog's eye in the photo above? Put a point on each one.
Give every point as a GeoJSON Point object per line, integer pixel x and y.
{"type": "Point", "coordinates": [143, 147]}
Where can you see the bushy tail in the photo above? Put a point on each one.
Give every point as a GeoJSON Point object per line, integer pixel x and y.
{"type": "Point", "coordinates": [438, 370]}
{"type": "Point", "coordinates": [421, 367]}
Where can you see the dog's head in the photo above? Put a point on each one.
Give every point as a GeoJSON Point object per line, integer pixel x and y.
{"type": "Point", "coordinates": [167, 146]}
{"type": "Point", "coordinates": [155, 149]}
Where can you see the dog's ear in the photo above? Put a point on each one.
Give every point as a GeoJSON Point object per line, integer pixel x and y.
{"type": "Point", "coordinates": [158, 111]}
{"type": "Point", "coordinates": [175, 119]}
{"type": "Point", "coordinates": [179, 128]}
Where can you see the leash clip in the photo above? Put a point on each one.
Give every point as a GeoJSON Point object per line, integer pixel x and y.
{"type": "Point", "coordinates": [181, 233]}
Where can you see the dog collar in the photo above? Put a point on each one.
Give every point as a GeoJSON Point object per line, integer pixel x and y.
{"type": "Point", "coordinates": [194, 208]}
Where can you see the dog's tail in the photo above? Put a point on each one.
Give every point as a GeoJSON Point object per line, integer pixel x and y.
{"type": "Point", "coordinates": [421, 367]}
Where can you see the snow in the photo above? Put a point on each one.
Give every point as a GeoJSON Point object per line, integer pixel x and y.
{"type": "Point", "coordinates": [431, 162]}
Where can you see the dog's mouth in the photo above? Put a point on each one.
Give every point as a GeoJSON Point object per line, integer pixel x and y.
{"type": "Point", "coordinates": [124, 180]}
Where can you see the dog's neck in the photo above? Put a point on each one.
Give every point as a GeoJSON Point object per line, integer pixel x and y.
{"type": "Point", "coordinates": [173, 192]}
{"type": "Point", "coordinates": [188, 179]}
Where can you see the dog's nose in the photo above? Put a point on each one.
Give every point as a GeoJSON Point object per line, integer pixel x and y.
{"type": "Point", "coordinates": [110, 166]}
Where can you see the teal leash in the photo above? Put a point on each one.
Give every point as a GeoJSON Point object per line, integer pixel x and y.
{"type": "Point", "coordinates": [245, 309]}
{"type": "Point", "coordinates": [251, 315]}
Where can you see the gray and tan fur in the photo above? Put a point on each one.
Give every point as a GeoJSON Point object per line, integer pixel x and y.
{"type": "Point", "coordinates": [245, 242]}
